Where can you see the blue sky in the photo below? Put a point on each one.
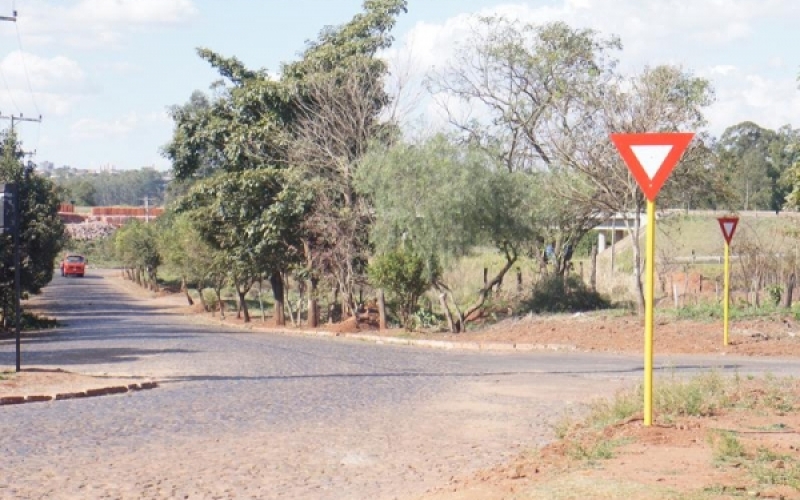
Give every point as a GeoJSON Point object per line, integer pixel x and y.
{"type": "Point", "coordinates": [103, 72]}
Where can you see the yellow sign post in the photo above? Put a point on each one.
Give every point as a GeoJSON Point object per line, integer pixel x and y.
{"type": "Point", "coordinates": [649, 299]}
{"type": "Point", "coordinates": [650, 159]}
{"type": "Point", "coordinates": [728, 226]}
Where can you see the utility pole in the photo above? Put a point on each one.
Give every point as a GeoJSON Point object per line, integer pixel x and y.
{"type": "Point", "coordinates": [14, 119]}
{"type": "Point", "coordinates": [13, 18]}
{"type": "Point", "coordinates": [146, 209]}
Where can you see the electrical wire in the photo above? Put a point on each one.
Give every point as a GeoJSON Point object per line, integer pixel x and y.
{"type": "Point", "coordinates": [5, 83]}
{"type": "Point", "coordinates": [10, 94]}
{"type": "Point", "coordinates": [24, 63]}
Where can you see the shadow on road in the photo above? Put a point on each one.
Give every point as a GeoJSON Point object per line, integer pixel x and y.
{"type": "Point", "coordinates": [444, 374]}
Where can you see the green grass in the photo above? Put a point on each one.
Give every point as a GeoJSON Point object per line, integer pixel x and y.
{"type": "Point", "coordinates": [595, 450]}
{"type": "Point", "coordinates": [728, 449]}
{"type": "Point", "coordinates": [714, 312]}
{"type": "Point", "coordinates": [679, 234]}
{"type": "Point", "coordinates": [700, 396]}
{"type": "Point", "coordinates": [767, 467]}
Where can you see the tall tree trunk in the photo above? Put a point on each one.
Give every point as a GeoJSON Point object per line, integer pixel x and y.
{"type": "Point", "coordinates": [242, 293]}
{"type": "Point", "coordinates": [334, 303]}
{"type": "Point", "coordinates": [313, 303]}
{"type": "Point", "coordinates": [276, 281]}
{"type": "Point", "coordinates": [200, 296]}
{"type": "Point", "coordinates": [790, 284]}
{"type": "Point", "coordinates": [220, 302]}
{"type": "Point", "coordinates": [450, 323]}
{"type": "Point", "coordinates": [635, 234]}
{"type": "Point", "coordinates": [261, 299]}
{"type": "Point", "coordinates": [288, 302]}
{"type": "Point", "coordinates": [381, 310]}
{"type": "Point", "coordinates": [483, 294]}
{"type": "Point", "coordinates": [593, 270]}
{"type": "Point", "coordinates": [185, 290]}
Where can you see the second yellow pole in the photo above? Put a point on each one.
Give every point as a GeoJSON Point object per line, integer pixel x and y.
{"type": "Point", "coordinates": [726, 299]}
{"type": "Point", "coordinates": [649, 293]}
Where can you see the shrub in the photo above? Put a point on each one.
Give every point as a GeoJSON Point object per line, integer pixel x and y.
{"type": "Point", "coordinates": [555, 293]}
{"type": "Point", "coordinates": [405, 275]}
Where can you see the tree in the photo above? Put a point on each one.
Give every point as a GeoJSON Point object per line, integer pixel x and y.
{"type": "Point", "coordinates": [136, 246]}
{"type": "Point", "coordinates": [661, 99]}
{"type": "Point", "coordinates": [128, 187]}
{"type": "Point", "coordinates": [183, 249]}
{"type": "Point", "coordinates": [406, 275]}
{"type": "Point", "coordinates": [445, 200]}
{"type": "Point", "coordinates": [754, 161]}
{"type": "Point", "coordinates": [317, 117]}
{"type": "Point", "coordinates": [254, 218]}
{"type": "Point", "coordinates": [517, 80]}
{"type": "Point", "coordinates": [41, 232]}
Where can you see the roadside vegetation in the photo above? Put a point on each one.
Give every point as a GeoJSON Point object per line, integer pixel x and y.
{"type": "Point", "coordinates": [297, 193]}
{"type": "Point", "coordinates": [737, 432]}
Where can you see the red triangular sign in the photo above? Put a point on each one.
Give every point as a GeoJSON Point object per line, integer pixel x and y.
{"type": "Point", "coordinates": [651, 157]}
{"type": "Point", "coordinates": [728, 226]}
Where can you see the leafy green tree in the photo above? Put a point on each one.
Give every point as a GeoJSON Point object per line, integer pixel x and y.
{"type": "Point", "coordinates": [185, 252]}
{"type": "Point", "coordinates": [446, 200]}
{"type": "Point", "coordinates": [254, 218]}
{"type": "Point", "coordinates": [136, 246]}
{"type": "Point", "coordinates": [520, 81]}
{"type": "Point", "coordinates": [256, 121]}
{"type": "Point", "coordinates": [79, 191]}
{"type": "Point", "coordinates": [41, 232]}
{"type": "Point", "coordinates": [406, 275]}
{"type": "Point", "coordinates": [128, 187]}
{"type": "Point", "coordinates": [659, 99]}
{"type": "Point", "coordinates": [754, 161]}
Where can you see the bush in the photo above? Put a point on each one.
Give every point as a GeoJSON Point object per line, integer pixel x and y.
{"type": "Point", "coordinates": [405, 275]}
{"type": "Point", "coordinates": [556, 294]}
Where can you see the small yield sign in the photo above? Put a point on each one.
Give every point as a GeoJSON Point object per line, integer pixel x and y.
{"type": "Point", "coordinates": [728, 227]}
{"type": "Point", "coordinates": [650, 158]}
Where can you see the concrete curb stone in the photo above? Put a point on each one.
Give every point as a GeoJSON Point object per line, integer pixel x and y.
{"type": "Point", "coordinates": [432, 344]}
{"type": "Point", "coordinates": [102, 391]}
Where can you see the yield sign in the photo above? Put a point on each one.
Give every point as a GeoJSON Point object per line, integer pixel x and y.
{"type": "Point", "coordinates": [651, 157]}
{"type": "Point", "coordinates": [728, 226]}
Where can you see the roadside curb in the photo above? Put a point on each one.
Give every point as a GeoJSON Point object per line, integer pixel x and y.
{"type": "Point", "coordinates": [380, 340]}
{"type": "Point", "coordinates": [102, 391]}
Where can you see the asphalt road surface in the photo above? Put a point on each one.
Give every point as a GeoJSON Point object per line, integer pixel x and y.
{"type": "Point", "coordinates": [240, 414]}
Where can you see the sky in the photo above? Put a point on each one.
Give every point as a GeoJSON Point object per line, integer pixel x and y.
{"type": "Point", "coordinates": [102, 73]}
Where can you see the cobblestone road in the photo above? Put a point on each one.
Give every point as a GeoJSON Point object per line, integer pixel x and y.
{"type": "Point", "coordinates": [246, 415]}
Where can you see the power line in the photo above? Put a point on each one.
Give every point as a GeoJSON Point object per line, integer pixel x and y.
{"type": "Point", "coordinates": [2, 74]}
{"type": "Point", "coordinates": [24, 62]}
{"type": "Point", "coordinates": [25, 67]}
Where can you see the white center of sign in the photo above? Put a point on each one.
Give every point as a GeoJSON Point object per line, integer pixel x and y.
{"type": "Point", "coordinates": [728, 228]}
{"type": "Point", "coordinates": [652, 157]}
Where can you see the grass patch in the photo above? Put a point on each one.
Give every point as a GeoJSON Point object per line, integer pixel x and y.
{"type": "Point", "coordinates": [714, 312]}
{"type": "Point", "coordinates": [32, 321]}
{"type": "Point", "coordinates": [769, 468]}
{"type": "Point", "coordinates": [703, 395]}
{"type": "Point", "coordinates": [728, 449]}
{"type": "Point", "coordinates": [596, 436]}
{"type": "Point", "coordinates": [764, 465]}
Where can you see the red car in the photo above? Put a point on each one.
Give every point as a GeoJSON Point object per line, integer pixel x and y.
{"type": "Point", "coordinates": [73, 265]}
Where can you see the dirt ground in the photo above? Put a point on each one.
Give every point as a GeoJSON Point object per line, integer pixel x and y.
{"type": "Point", "coordinates": [679, 455]}
{"type": "Point", "coordinates": [684, 458]}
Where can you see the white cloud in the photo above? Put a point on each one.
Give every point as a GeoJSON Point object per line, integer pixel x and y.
{"type": "Point", "coordinates": [92, 128]}
{"type": "Point", "coordinates": [771, 103]}
{"type": "Point", "coordinates": [56, 83]}
{"type": "Point", "coordinates": [115, 128]}
{"type": "Point", "coordinates": [652, 32]}
{"type": "Point", "coordinates": [95, 23]}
